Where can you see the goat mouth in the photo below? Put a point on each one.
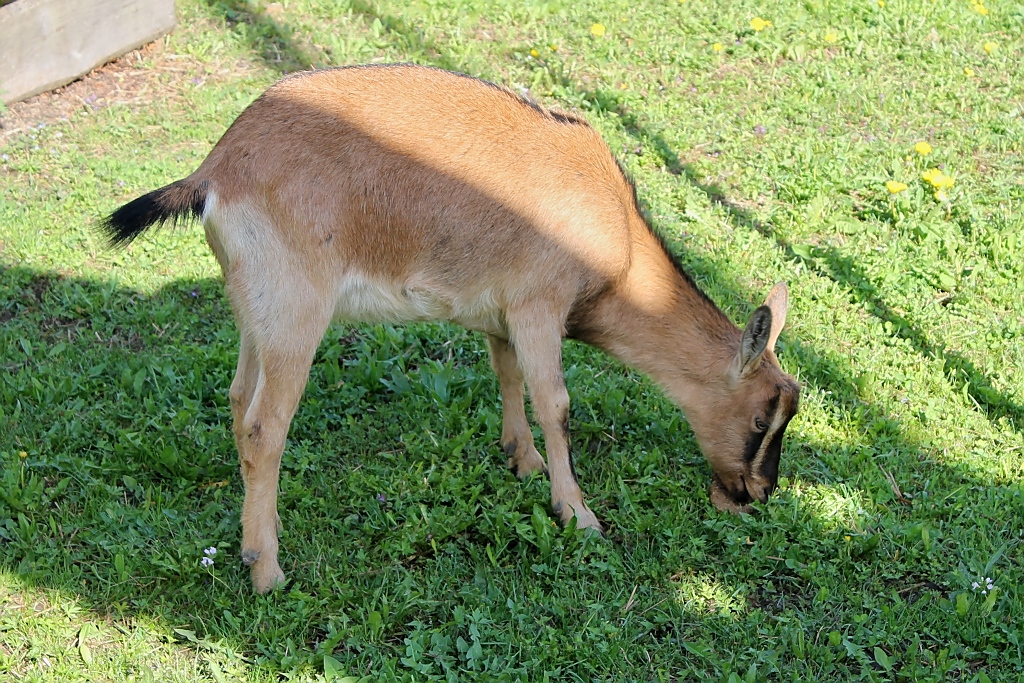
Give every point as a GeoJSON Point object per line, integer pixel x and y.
{"type": "Point", "coordinates": [741, 495]}
{"type": "Point", "coordinates": [730, 499]}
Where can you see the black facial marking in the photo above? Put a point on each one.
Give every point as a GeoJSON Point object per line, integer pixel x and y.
{"type": "Point", "coordinates": [770, 463]}
{"type": "Point", "coordinates": [753, 446]}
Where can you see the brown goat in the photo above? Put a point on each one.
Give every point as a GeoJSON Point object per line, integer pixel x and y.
{"type": "Point", "coordinates": [400, 193]}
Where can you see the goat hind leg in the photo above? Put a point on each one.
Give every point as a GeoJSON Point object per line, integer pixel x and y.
{"type": "Point", "coordinates": [282, 345]}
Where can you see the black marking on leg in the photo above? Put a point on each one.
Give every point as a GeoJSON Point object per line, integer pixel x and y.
{"type": "Point", "coordinates": [249, 557]}
{"type": "Point", "coordinates": [254, 431]}
{"type": "Point", "coordinates": [568, 446]}
{"type": "Point", "coordinates": [509, 450]}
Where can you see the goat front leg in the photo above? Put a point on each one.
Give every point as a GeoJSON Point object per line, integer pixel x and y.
{"type": "Point", "coordinates": [516, 436]}
{"type": "Point", "coordinates": [538, 343]}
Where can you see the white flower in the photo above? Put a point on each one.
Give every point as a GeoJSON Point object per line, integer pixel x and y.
{"type": "Point", "coordinates": [210, 552]}
{"type": "Point", "coordinates": [986, 584]}
{"type": "Point", "coordinates": [206, 561]}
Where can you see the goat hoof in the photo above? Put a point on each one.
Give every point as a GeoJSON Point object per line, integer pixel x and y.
{"type": "Point", "coordinates": [267, 576]}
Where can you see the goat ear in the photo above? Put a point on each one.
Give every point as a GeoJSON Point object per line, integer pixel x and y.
{"type": "Point", "coordinates": [778, 302]}
{"type": "Point", "coordinates": [755, 340]}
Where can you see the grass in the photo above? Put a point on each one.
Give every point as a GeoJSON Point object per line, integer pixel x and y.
{"type": "Point", "coordinates": [413, 553]}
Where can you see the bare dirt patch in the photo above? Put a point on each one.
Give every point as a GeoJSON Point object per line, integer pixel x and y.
{"type": "Point", "coordinates": [139, 77]}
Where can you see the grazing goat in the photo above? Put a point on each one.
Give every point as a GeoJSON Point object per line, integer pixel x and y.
{"type": "Point", "coordinates": [397, 193]}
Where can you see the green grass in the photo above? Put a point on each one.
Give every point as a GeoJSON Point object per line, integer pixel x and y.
{"type": "Point", "coordinates": [413, 553]}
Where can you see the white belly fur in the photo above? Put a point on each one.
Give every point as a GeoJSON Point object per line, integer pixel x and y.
{"type": "Point", "coordinates": [362, 298]}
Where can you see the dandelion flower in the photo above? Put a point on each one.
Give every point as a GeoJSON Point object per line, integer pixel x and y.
{"type": "Point", "coordinates": [923, 148]}
{"type": "Point", "coordinates": [759, 24]}
{"type": "Point", "coordinates": [937, 179]}
{"type": "Point", "coordinates": [597, 30]}
{"type": "Point", "coordinates": [881, 3]}
{"type": "Point", "coordinates": [554, 48]}
{"type": "Point", "coordinates": [831, 37]}
{"type": "Point", "coordinates": [718, 47]}
{"type": "Point", "coordinates": [895, 186]}
{"type": "Point", "coordinates": [22, 454]}
{"type": "Point", "coordinates": [969, 72]}
{"type": "Point", "coordinates": [980, 8]}
{"type": "Point", "coordinates": [534, 54]}
{"type": "Point", "coordinates": [990, 47]}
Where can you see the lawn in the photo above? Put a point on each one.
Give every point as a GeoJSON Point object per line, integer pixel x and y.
{"type": "Point", "coordinates": [768, 141]}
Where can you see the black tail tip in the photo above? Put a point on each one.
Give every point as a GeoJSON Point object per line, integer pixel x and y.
{"type": "Point", "coordinates": [130, 221]}
{"type": "Point", "coordinates": [173, 202]}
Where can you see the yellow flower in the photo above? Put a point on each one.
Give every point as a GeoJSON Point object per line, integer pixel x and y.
{"type": "Point", "coordinates": [831, 37]}
{"type": "Point", "coordinates": [22, 454]}
{"type": "Point", "coordinates": [990, 46]}
{"type": "Point", "coordinates": [980, 9]}
{"type": "Point", "coordinates": [895, 187]}
{"type": "Point", "coordinates": [534, 53]}
{"type": "Point", "coordinates": [597, 30]}
{"type": "Point", "coordinates": [923, 148]}
{"type": "Point", "coordinates": [759, 24]}
{"type": "Point", "coordinates": [718, 47]}
{"type": "Point", "coordinates": [554, 48]}
{"type": "Point", "coordinates": [937, 179]}
{"type": "Point", "coordinates": [881, 3]}
{"type": "Point", "coordinates": [968, 71]}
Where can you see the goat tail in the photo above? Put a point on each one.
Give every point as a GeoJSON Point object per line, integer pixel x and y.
{"type": "Point", "coordinates": [184, 199]}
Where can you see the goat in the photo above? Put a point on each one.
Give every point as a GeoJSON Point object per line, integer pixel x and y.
{"type": "Point", "coordinates": [398, 193]}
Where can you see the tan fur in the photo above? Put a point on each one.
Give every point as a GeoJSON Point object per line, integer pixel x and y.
{"type": "Point", "coordinates": [402, 193]}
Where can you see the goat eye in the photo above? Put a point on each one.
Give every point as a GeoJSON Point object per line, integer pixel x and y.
{"type": "Point", "coordinates": [760, 425]}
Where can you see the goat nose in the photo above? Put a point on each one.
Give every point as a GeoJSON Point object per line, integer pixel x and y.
{"type": "Point", "coordinates": [760, 490]}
